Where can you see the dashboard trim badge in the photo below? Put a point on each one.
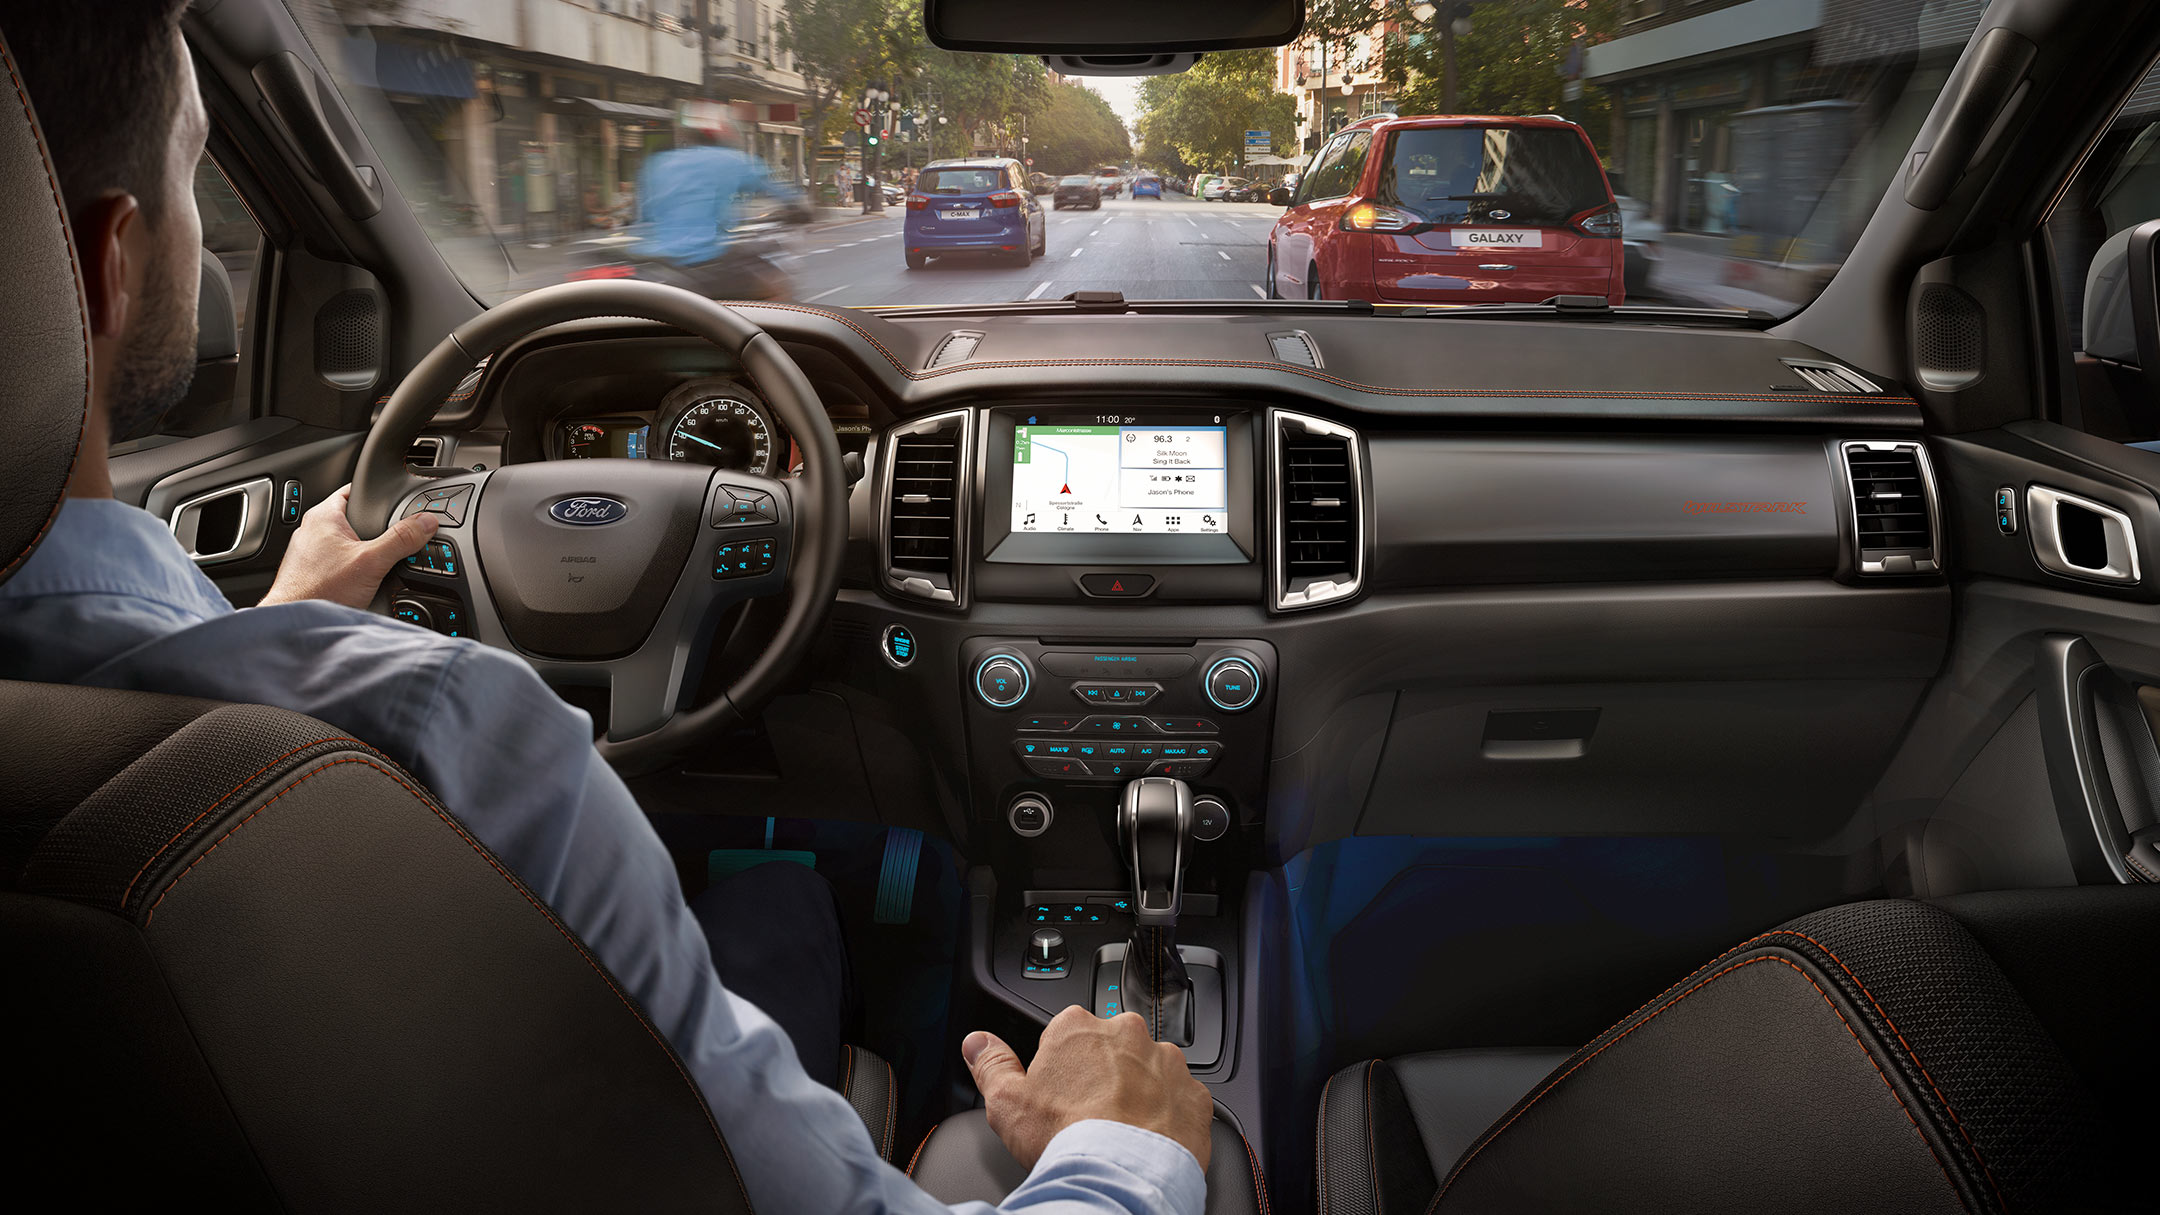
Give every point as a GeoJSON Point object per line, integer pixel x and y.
{"type": "Point", "coordinates": [589, 510]}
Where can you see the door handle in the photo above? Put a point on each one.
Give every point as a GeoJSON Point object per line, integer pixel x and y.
{"type": "Point", "coordinates": [2079, 538]}
{"type": "Point", "coordinates": [227, 524]}
{"type": "Point", "coordinates": [2092, 727]}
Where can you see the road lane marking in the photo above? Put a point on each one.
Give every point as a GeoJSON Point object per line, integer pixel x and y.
{"type": "Point", "coordinates": [1190, 220]}
{"type": "Point", "coordinates": [1219, 253]}
{"type": "Point", "coordinates": [1096, 230]}
{"type": "Point", "coordinates": [822, 294]}
{"type": "Point", "coordinates": [1039, 289]}
{"type": "Point", "coordinates": [1256, 290]}
{"type": "Point", "coordinates": [1073, 254]}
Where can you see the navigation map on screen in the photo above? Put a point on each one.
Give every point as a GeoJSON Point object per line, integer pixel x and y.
{"type": "Point", "coordinates": [1163, 480]}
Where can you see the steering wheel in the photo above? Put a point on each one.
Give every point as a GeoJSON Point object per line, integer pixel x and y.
{"type": "Point", "coordinates": [613, 573]}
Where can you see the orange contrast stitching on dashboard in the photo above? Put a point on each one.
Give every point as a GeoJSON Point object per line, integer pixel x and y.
{"type": "Point", "coordinates": [695, 1094]}
{"type": "Point", "coordinates": [1555, 1082]}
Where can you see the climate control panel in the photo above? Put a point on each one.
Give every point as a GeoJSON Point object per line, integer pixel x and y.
{"type": "Point", "coordinates": [1045, 714]}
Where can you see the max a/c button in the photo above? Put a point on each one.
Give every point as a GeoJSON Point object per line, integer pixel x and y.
{"type": "Point", "coordinates": [1117, 586]}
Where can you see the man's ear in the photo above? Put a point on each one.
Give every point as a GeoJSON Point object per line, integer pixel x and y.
{"type": "Point", "coordinates": [102, 230]}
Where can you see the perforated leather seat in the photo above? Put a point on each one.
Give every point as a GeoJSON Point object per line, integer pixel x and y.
{"type": "Point", "coordinates": [1981, 1053]}
{"type": "Point", "coordinates": [249, 960]}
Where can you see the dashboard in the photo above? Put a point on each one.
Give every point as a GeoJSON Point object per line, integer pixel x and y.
{"type": "Point", "coordinates": [720, 422]}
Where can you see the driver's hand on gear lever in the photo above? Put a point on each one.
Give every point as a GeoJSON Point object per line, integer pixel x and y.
{"type": "Point", "coordinates": [328, 560]}
{"type": "Point", "coordinates": [1089, 1067]}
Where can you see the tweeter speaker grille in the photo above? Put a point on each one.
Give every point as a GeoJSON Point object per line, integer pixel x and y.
{"type": "Point", "coordinates": [1949, 338]}
{"type": "Point", "coordinates": [349, 339]}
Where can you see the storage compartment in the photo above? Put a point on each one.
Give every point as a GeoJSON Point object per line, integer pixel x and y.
{"type": "Point", "coordinates": [1785, 759]}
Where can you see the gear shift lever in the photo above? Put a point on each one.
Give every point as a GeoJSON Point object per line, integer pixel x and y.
{"type": "Point", "coordinates": [1155, 818]}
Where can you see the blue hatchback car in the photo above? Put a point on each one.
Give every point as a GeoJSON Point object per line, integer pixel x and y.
{"type": "Point", "coordinates": [980, 205]}
{"type": "Point", "coordinates": [1147, 187]}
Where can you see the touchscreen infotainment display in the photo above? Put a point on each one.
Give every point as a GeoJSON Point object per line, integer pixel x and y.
{"type": "Point", "coordinates": [1121, 476]}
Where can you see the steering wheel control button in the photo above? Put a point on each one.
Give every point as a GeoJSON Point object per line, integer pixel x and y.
{"type": "Point", "coordinates": [435, 557]}
{"type": "Point", "coordinates": [1117, 586]}
{"type": "Point", "coordinates": [1117, 725]}
{"type": "Point", "coordinates": [412, 611]}
{"type": "Point", "coordinates": [898, 645]}
{"type": "Point", "coordinates": [1117, 693]}
{"type": "Point", "coordinates": [1029, 815]}
{"type": "Point", "coordinates": [746, 559]}
{"type": "Point", "coordinates": [1233, 684]}
{"type": "Point", "coordinates": [1002, 681]}
{"type": "Point", "coordinates": [735, 506]}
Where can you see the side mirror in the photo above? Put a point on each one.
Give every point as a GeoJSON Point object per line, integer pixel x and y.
{"type": "Point", "coordinates": [1279, 196]}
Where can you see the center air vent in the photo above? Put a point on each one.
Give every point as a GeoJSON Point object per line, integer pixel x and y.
{"type": "Point", "coordinates": [1833, 377]}
{"type": "Point", "coordinates": [1319, 542]}
{"type": "Point", "coordinates": [925, 488]}
{"type": "Point", "coordinates": [1894, 519]}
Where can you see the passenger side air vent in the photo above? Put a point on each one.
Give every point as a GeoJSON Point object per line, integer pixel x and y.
{"type": "Point", "coordinates": [1295, 346]}
{"type": "Point", "coordinates": [1833, 377]}
{"type": "Point", "coordinates": [1894, 514]}
{"type": "Point", "coordinates": [925, 507]}
{"type": "Point", "coordinates": [955, 347]}
{"type": "Point", "coordinates": [1318, 491]}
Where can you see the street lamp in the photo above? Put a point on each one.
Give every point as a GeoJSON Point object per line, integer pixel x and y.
{"type": "Point", "coordinates": [1423, 13]}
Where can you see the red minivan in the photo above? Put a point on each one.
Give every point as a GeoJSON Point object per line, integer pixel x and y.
{"type": "Point", "coordinates": [1457, 209]}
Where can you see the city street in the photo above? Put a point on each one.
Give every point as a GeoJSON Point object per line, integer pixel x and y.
{"type": "Point", "coordinates": [1168, 248]}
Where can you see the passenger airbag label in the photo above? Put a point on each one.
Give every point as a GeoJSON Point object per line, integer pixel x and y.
{"type": "Point", "coordinates": [1746, 508]}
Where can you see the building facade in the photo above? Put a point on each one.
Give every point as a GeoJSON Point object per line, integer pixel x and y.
{"type": "Point", "coordinates": [1335, 84]}
{"type": "Point", "coordinates": [533, 117]}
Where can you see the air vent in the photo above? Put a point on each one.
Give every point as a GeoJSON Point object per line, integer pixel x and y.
{"type": "Point", "coordinates": [428, 451]}
{"type": "Point", "coordinates": [1295, 346]}
{"type": "Point", "coordinates": [955, 347]}
{"type": "Point", "coordinates": [1319, 542]}
{"type": "Point", "coordinates": [1893, 496]}
{"type": "Point", "coordinates": [925, 487]}
{"type": "Point", "coordinates": [1832, 377]}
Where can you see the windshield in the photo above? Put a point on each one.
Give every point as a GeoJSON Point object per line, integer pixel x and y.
{"type": "Point", "coordinates": [1697, 153]}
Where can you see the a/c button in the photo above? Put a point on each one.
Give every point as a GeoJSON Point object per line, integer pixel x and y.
{"type": "Point", "coordinates": [1117, 586]}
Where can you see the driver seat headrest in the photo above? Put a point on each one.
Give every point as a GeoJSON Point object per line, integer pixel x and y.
{"type": "Point", "coordinates": [44, 328]}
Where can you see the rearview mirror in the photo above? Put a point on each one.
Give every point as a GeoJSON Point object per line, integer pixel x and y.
{"type": "Point", "coordinates": [1143, 28]}
{"type": "Point", "coordinates": [1279, 196]}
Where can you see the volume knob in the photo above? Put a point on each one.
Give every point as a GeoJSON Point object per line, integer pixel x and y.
{"type": "Point", "coordinates": [1002, 680]}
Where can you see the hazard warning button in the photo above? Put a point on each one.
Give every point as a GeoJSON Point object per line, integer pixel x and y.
{"type": "Point", "coordinates": [1117, 586]}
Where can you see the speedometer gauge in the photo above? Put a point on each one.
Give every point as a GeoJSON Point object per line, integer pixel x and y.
{"type": "Point", "coordinates": [723, 431]}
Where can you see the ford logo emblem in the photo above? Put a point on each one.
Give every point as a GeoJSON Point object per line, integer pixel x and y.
{"type": "Point", "coordinates": [589, 512]}
{"type": "Point", "coordinates": [1497, 213]}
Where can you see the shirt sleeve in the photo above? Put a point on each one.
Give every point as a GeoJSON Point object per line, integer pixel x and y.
{"type": "Point", "coordinates": [517, 766]}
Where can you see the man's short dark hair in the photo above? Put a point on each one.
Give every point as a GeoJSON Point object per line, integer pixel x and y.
{"type": "Point", "coordinates": [106, 86]}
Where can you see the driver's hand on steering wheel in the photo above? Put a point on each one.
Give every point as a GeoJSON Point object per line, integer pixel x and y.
{"type": "Point", "coordinates": [328, 560]}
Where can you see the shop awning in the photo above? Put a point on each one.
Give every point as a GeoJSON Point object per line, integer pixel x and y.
{"type": "Point", "coordinates": [616, 109]}
{"type": "Point", "coordinates": [415, 71]}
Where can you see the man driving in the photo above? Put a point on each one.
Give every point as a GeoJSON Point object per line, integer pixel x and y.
{"type": "Point", "coordinates": [1105, 1119]}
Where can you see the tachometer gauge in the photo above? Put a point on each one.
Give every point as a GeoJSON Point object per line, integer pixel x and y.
{"type": "Point", "coordinates": [723, 431]}
{"type": "Point", "coordinates": [583, 440]}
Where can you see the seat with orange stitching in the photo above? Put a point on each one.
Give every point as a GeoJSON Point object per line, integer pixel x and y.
{"type": "Point", "coordinates": [1965, 1055]}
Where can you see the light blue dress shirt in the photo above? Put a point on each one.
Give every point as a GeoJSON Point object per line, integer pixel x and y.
{"type": "Point", "coordinates": [686, 200]}
{"type": "Point", "coordinates": [110, 600]}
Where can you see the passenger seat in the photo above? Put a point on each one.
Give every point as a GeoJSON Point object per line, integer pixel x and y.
{"type": "Point", "coordinates": [1988, 1052]}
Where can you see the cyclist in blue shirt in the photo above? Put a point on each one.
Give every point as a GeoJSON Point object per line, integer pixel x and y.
{"type": "Point", "coordinates": [686, 197]}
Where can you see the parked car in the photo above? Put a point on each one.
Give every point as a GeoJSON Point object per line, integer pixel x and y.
{"type": "Point", "coordinates": [976, 205]}
{"type": "Point", "coordinates": [1200, 183]}
{"type": "Point", "coordinates": [1077, 190]}
{"type": "Point", "coordinates": [1147, 186]}
{"type": "Point", "coordinates": [1224, 189]}
{"type": "Point", "coordinates": [1640, 237]}
{"type": "Point", "coordinates": [1110, 180]}
{"type": "Point", "coordinates": [1453, 209]}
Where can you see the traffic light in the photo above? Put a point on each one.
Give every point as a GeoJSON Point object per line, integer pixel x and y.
{"type": "Point", "coordinates": [871, 139]}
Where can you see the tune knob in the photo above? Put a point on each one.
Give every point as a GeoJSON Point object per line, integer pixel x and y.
{"type": "Point", "coordinates": [1002, 680]}
{"type": "Point", "coordinates": [1047, 947]}
{"type": "Point", "coordinates": [1233, 684]}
